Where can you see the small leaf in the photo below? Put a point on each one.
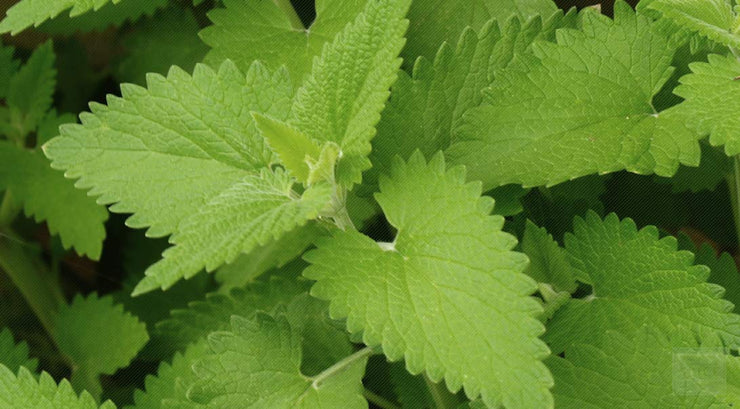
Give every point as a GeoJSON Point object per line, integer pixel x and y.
{"type": "Point", "coordinates": [24, 391]}
{"type": "Point", "coordinates": [14, 356]}
{"type": "Point", "coordinates": [293, 148]}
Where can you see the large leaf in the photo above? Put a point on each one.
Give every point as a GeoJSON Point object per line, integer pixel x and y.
{"type": "Point", "coordinates": [581, 106]}
{"type": "Point", "coordinates": [448, 294]}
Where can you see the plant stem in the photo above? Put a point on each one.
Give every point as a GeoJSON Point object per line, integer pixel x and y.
{"type": "Point", "coordinates": [733, 183]}
{"type": "Point", "coordinates": [29, 275]}
{"type": "Point", "coordinates": [8, 210]}
{"type": "Point", "coordinates": [442, 398]}
{"type": "Point", "coordinates": [378, 400]}
{"type": "Point", "coordinates": [553, 300]}
{"type": "Point", "coordinates": [342, 365]}
{"type": "Point", "coordinates": [289, 11]}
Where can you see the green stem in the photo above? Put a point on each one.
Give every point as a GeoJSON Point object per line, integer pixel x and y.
{"type": "Point", "coordinates": [289, 11]}
{"type": "Point", "coordinates": [553, 301]}
{"type": "Point", "coordinates": [29, 275]}
{"type": "Point", "coordinates": [9, 210]}
{"type": "Point", "coordinates": [733, 183]}
{"type": "Point", "coordinates": [378, 400]}
{"type": "Point", "coordinates": [442, 398]}
{"type": "Point", "coordinates": [342, 365]}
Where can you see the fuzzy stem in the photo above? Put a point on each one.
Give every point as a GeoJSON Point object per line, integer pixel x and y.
{"type": "Point", "coordinates": [378, 400]}
{"type": "Point", "coordinates": [289, 11]}
{"type": "Point", "coordinates": [442, 398]}
{"type": "Point", "coordinates": [342, 365]}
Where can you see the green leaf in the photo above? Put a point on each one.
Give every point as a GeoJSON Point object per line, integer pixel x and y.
{"type": "Point", "coordinates": [8, 67]}
{"type": "Point", "coordinates": [47, 196]}
{"type": "Point", "coordinates": [172, 380]}
{"type": "Point", "coordinates": [547, 261]}
{"type": "Point", "coordinates": [342, 99]}
{"type": "Point", "coordinates": [186, 326]}
{"type": "Point", "coordinates": [14, 356]}
{"type": "Point", "coordinates": [549, 107]}
{"type": "Point", "coordinates": [427, 106]}
{"type": "Point", "coordinates": [191, 162]}
{"type": "Point", "coordinates": [712, 172]}
{"type": "Point", "coordinates": [434, 22]}
{"type": "Point", "coordinates": [252, 213]}
{"type": "Point", "coordinates": [448, 294]}
{"type": "Point", "coordinates": [294, 149]}
{"type": "Point", "coordinates": [169, 38]}
{"type": "Point", "coordinates": [49, 126]}
{"type": "Point", "coordinates": [265, 355]}
{"type": "Point", "coordinates": [28, 13]}
{"type": "Point", "coordinates": [109, 15]}
{"type": "Point", "coordinates": [713, 19]}
{"type": "Point", "coordinates": [645, 370]}
{"type": "Point", "coordinates": [246, 31]}
{"type": "Point", "coordinates": [276, 254]}
{"type": "Point", "coordinates": [723, 272]}
{"type": "Point", "coordinates": [637, 279]}
{"type": "Point", "coordinates": [99, 337]}
{"type": "Point", "coordinates": [31, 90]}
{"type": "Point", "coordinates": [25, 392]}
{"type": "Point", "coordinates": [710, 93]}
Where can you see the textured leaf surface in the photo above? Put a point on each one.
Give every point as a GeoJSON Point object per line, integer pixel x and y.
{"type": "Point", "coordinates": [246, 31]}
{"type": "Point", "coordinates": [713, 19]}
{"type": "Point", "coordinates": [448, 294]}
{"type": "Point", "coordinates": [12, 355]}
{"type": "Point", "coordinates": [427, 106]}
{"type": "Point", "coordinates": [185, 156]}
{"type": "Point", "coordinates": [47, 196]}
{"type": "Point", "coordinates": [710, 104]}
{"type": "Point", "coordinates": [25, 392]}
{"type": "Point", "coordinates": [28, 13]}
{"type": "Point", "coordinates": [585, 99]}
{"type": "Point", "coordinates": [342, 99]}
{"type": "Point", "coordinates": [436, 21]}
{"type": "Point", "coordinates": [265, 355]}
{"type": "Point", "coordinates": [723, 272]}
{"type": "Point", "coordinates": [637, 279]}
{"type": "Point", "coordinates": [646, 371]}
{"type": "Point", "coordinates": [169, 38]}
{"type": "Point", "coordinates": [99, 337]}
{"type": "Point", "coordinates": [249, 214]}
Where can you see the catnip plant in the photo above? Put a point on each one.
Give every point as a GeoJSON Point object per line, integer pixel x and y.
{"type": "Point", "coordinates": [354, 204]}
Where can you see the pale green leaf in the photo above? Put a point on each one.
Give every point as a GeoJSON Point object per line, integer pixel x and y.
{"type": "Point", "coordinates": [47, 196]}
{"type": "Point", "coordinates": [710, 105]}
{"type": "Point", "coordinates": [448, 294]}
{"type": "Point", "coordinates": [637, 279]}
{"type": "Point", "coordinates": [342, 99]}
{"type": "Point", "coordinates": [547, 261]}
{"type": "Point", "coordinates": [99, 337]}
{"type": "Point", "coordinates": [169, 38]}
{"type": "Point", "coordinates": [164, 152]}
{"type": "Point", "coordinates": [24, 391]}
{"type": "Point", "coordinates": [249, 30]}
{"type": "Point", "coordinates": [12, 355]}
{"type": "Point", "coordinates": [294, 149]}
{"type": "Point", "coordinates": [713, 19]}
{"type": "Point", "coordinates": [252, 213]}
{"type": "Point", "coordinates": [186, 158]}
{"type": "Point", "coordinates": [265, 355]}
{"type": "Point", "coordinates": [31, 90]}
{"type": "Point", "coordinates": [436, 21]}
{"type": "Point", "coordinates": [647, 370]}
{"type": "Point", "coordinates": [585, 99]}
{"type": "Point", "coordinates": [28, 13]}
{"type": "Point", "coordinates": [723, 272]}
{"type": "Point", "coordinates": [427, 106]}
